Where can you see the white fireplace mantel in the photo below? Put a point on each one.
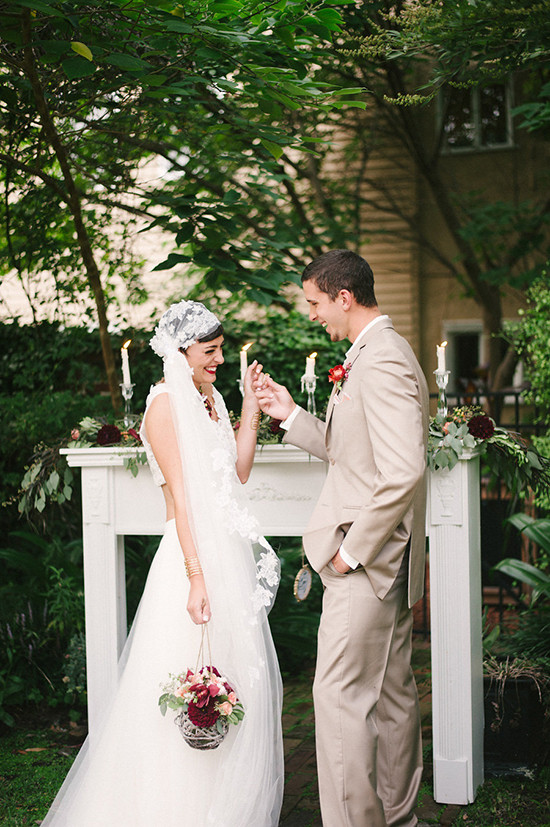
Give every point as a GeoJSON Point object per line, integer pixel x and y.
{"type": "Point", "coordinates": [284, 486]}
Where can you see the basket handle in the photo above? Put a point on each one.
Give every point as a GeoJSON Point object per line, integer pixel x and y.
{"type": "Point", "coordinates": [200, 656]}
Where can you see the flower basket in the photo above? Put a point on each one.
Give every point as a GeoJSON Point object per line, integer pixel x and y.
{"type": "Point", "coordinates": [206, 702]}
{"type": "Point", "coordinates": [200, 737]}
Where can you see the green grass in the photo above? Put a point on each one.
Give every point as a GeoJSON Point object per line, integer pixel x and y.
{"type": "Point", "coordinates": [33, 764]}
{"type": "Point", "coordinates": [35, 757]}
{"type": "Point", "coordinates": [510, 802]}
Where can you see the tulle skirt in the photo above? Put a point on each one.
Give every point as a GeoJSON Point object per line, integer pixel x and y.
{"type": "Point", "coordinates": [136, 769]}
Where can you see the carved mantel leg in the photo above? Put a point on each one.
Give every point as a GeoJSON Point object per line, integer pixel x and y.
{"type": "Point", "coordinates": [105, 589]}
{"type": "Point", "coordinates": [457, 654]}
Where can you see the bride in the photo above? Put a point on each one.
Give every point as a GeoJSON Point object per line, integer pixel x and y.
{"type": "Point", "coordinates": [212, 566]}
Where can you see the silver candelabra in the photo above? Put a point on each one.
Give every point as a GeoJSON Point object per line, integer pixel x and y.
{"type": "Point", "coordinates": [309, 383]}
{"type": "Point", "coordinates": [127, 393]}
{"type": "Point", "coordinates": [442, 380]}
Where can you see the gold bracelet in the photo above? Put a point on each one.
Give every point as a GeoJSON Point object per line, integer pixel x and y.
{"type": "Point", "coordinates": [192, 566]}
{"type": "Point", "coordinates": [255, 421]}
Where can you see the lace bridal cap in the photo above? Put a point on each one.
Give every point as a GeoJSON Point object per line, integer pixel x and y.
{"type": "Point", "coordinates": [182, 325]}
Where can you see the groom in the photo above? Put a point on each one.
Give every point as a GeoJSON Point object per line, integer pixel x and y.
{"type": "Point", "coordinates": [366, 539]}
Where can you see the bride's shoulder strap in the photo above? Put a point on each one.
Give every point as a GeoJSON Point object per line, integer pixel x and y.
{"type": "Point", "coordinates": [156, 390]}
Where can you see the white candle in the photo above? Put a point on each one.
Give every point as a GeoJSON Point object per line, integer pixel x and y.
{"type": "Point", "coordinates": [441, 367]}
{"type": "Point", "coordinates": [126, 380]}
{"type": "Point", "coordinates": [310, 365]}
{"type": "Point", "coordinates": [244, 360]}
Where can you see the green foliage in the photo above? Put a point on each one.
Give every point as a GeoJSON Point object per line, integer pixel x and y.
{"type": "Point", "coordinates": [531, 638]}
{"type": "Point", "coordinates": [294, 625]}
{"type": "Point", "coordinates": [74, 671]}
{"type": "Point", "coordinates": [542, 445]}
{"type": "Point", "coordinates": [532, 340]}
{"type": "Point", "coordinates": [41, 606]}
{"type": "Point", "coordinates": [468, 42]}
{"type": "Point", "coordinates": [505, 455]}
{"type": "Point", "coordinates": [213, 91]}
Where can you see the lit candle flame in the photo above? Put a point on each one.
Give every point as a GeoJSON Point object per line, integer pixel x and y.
{"type": "Point", "coordinates": [443, 344]}
{"type": "Point", "coordinates": [313, 355]}
{"type": "Point", "coordinates": [245, 347]}
{"type": "Point", "coordinates": [127, 344]}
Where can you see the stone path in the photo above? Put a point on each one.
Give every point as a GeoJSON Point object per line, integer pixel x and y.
{"type": "Point", "coordinates": [301, 799]}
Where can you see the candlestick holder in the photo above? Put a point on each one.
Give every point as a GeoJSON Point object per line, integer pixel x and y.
{"type": "Point", "coordinates": [309, 383]}
{"type": "Point", "coordinates": [127, 393]}
{"type": "Point", "coordinates": [442, 380]}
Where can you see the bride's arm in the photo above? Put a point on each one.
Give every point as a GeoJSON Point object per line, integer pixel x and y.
{"type": "Point", "coordinates": [162, 436]}
{"type": "Point", "coordinates": [248, 428]}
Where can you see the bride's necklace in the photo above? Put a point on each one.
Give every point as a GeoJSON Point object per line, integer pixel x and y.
{"type": "Point", "coordinates": [207, 403]}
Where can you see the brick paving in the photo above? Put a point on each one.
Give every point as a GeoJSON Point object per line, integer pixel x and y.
{"type": "Point", "coordinates": [301, 799]}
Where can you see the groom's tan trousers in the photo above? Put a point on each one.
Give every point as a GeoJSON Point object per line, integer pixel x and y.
{"type": "Point", "coordinates": [367, 721]}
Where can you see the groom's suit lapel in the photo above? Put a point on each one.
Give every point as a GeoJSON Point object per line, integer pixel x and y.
{"type": "Point", "coordinates": [367, 337]}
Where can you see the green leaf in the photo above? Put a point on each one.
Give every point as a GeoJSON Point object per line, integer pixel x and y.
{"type": "Point", "coordinates": [127, 62]}
{"type": "Point", "coordinates": [273, 149]}
{"type": "Point", "coordinates": [81, 49]}
{"type": "Point", "coordinates": [171, 261]}
{"type": "Point", "coordinates": [77, 67]}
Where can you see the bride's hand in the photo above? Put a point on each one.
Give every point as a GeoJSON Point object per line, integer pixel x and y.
{"type": "Point", "coordinates": [198, 604]}
{"type": "Point", "coordinates": [251, 378]}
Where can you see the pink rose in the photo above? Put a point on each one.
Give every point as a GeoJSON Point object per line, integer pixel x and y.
{"type": "Point", "coordinates": [226, 708]}
{"type": "Point", "coordinates": [75, 433]}
{"type": "Point", "coordinates": [232, 698]}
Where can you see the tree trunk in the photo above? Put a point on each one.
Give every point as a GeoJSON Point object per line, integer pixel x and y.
{"type": "Point", "coordinates": [73, 201]}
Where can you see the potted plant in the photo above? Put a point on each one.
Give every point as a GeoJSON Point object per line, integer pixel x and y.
{"type": "Point", "coordinates": [517, 679]}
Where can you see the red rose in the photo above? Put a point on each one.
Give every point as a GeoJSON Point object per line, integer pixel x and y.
{"type": "Point", "coordinates": [481, 426]}
{"type": "Point", "coordinates": [203, 717]}
{"type": "Point", "coordinates": [337, 374]}
{"type": "Point", "coordinates": [108, 435]}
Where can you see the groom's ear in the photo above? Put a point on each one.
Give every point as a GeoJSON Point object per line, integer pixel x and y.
{"type": "Point", "coordinates": [346, 298]}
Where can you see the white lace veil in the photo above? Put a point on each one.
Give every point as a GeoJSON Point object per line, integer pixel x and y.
{"type": "Point", "coordinates": [216, 503]}
{"type": "Point", "coordinates": [183, 324]}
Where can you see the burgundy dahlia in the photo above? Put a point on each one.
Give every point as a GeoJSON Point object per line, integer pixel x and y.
{"type": "Point", "coordinates": [203, 717]}
{"type": "Point", "coordinates": [481, 426]}
{"type": "Point", "coordinates": [108, 435]}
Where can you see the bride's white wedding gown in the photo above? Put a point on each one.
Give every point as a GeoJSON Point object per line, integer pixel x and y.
{"type": "Point", "coordinates": [136, 770]}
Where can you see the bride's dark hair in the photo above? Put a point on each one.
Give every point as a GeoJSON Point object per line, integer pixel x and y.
{"type": "Point", "coordinates": [218, 331]}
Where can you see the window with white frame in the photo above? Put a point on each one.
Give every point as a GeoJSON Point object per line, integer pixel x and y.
{"type": "Point", "coordinates": [465, 355]}
{"type": "Point", "coordinates": [477, 117]}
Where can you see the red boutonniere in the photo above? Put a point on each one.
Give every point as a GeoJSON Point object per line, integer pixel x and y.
{"type": "Point", "coordinates": [338, 375]}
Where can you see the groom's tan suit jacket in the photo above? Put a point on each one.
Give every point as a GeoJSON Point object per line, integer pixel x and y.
{"type": "Point", "coordinates": [374, 439]}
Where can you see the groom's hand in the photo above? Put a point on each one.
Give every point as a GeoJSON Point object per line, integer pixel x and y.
{"type": "Point", "coordinates": [339, 565]}
{"type": "Point", "coordinates": [274, 399]}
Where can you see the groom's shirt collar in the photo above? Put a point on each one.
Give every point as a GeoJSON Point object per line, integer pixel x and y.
{"type": "Point", "coordinates": [357, 343]}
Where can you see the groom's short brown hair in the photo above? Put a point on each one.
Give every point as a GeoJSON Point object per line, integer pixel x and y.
{"type": "Point", "coordinates": [342, 270]}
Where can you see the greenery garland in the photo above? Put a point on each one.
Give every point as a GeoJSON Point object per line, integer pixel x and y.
{"type": "Point", "coordinates": [507, 455]}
